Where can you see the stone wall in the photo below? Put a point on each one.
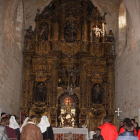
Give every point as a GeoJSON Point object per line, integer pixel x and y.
{"type": "Point", "coordinates": [10, 66]}
{"type": "Point", "coordinates": [11, 42]}
{"type": "Point", "coordinates": [30, 10]}
{"type": "Point", "coordinates": [127, 74]}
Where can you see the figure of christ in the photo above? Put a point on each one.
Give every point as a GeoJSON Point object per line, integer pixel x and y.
{"type": "Point", "coordinates": [40, 93]}
{"type": "Point", "coordinates": [97, 94]}
{"type": "Point", "coordinates": [74, 76]}
{"type": "Point", "coordinates": [64, 76]}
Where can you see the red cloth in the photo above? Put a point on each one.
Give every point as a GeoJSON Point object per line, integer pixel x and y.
{"type": "Point", "coordinates": [122, 130]}
{"type": "Point", "coordinates": [109, 131]}
{"type": "Point", "coordinates": [11, 133]}
{"type": "Point", "coordinates": [138, 134]}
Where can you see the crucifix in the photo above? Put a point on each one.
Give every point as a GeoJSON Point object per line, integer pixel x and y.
{"type": "Point", "coordinates": [68, 101]}
{"type": "Point", "coordinates": [118, 118]}
{"type": "Point", "coordinates": [118, 111]}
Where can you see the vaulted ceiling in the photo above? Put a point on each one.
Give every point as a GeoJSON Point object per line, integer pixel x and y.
{"type": "Point", "coordinates": [109, 6]}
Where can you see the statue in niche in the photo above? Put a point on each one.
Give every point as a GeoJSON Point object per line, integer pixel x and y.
{"type": "Point", "coordinates": [93, 33]}
{"type": "Point", "coordinates": [110, 36]}
{"type": "Point", "coordinates": [63, 77]}
{"type": "Point", "coordinates": [103, 18]}
{"type": "Point", "coordinates": [43, 32]}
{"type": "Point", "coordinates": [40, 92]}
{"type": "Point", "coordinates": [74, 77]}
{"type": "Point", "coordinates": [29, 33]}
{"type": "Point", "coordinates": [96, 33]}
{"type": "Point", "coordinates": [97, 94]}
{"type": "Point", "coordinates": [70, 33]}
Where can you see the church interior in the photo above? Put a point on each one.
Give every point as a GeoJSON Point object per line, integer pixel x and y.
{"type": "Point", "coordinates": [74, 61]}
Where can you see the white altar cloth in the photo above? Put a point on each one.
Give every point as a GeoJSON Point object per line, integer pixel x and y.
{"type": "Point", "coordinates": [72, 130]}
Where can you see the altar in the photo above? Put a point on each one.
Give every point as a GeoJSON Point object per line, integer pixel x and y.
{"type": "Point", "coordinates": [68, 70]}
{"type": "Point", "coordinates": [70, 133]}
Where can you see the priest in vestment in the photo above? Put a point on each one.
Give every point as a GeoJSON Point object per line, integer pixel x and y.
{"type": "Point", "coordinates": [108, 130]}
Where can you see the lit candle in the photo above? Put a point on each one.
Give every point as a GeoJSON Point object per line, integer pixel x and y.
{"type": "Point", "coordinates": [103, 28]}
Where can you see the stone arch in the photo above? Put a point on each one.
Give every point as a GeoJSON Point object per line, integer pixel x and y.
{"type": "Point", "coordinates": [134, 15]}
{"type": "Point", "coordinates": [9, 15]}
{"type": "Point", "coordinates": [70, 104]}
{"type": "Point", "coordinates": [74, 97]}
{"type": "Point", "coordinates": [14, 21]}
{"type": "Point", "coordinates": [122, 24]}
{"type": "Point", "coordinates": [19, 25]}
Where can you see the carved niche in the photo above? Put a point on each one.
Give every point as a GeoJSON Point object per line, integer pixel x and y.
{"type": "Point", "coordinates": [40, 92]}
{"type": "Point", "coordinates": [97, 94]}
{"type": "Point", "coordinates": [70, 31]}
{"type": "Point", "coordinates": [43, 31]}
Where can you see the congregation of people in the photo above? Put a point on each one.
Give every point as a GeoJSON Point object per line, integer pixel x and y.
{"type": "Point", "coordinates": [31, 130]}
{"type": "Point", "coordinates": [129, 130]}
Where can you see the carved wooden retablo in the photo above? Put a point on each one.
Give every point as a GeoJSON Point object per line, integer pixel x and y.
{"type": "Point", "coordinates": [69, 47]}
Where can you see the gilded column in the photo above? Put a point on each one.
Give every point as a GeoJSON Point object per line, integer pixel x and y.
{"type": "Point", "coordinates": [84, 31]}
{"type": "Point", "coordinates": [111, 87]}
{"type": "Point", "coordinates": [31, 87]}
{"type": "Point", "coordinates": [62, 30]}
{"type": "Point", "coordinates": [26, 81]}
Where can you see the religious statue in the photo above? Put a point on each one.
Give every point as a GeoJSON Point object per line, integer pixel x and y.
{"type": "Point", "coordinates": [103, 18]}
{"type": "Point", "coordinates": [70, 31]}
{"type": "Point", "coordinates": [29, 33]}
{"type": "Point", "coordinates": [68, 119]}
{"type": "Point", "coordinates": [40, 92]}
{"type": "Point", "coordinates": [110, 36]}
{"type": "Point", "coordinates": [96, 33]}
{"type": "Point", "coordinates": [63, 75]}
{"type": "Point", "coordinates": [74, 77]}
{"type": "Point", "coordinates": [43, 31]}
{"type": "Point", "coordinates": [97, 94]}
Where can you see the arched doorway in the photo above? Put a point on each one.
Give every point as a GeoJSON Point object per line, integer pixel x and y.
{"type": "Point", "coordinates": [68, 110]}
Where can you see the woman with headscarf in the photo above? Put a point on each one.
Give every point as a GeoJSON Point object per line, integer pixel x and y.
{"type": "Point", "coordinates": [31, 131]}
{"type": "Point", "coordinates": [45, 128]}
{"type": "Point", "coordinates": [13, 124]}
{"type": "Point", "coordinates": [24, 123]}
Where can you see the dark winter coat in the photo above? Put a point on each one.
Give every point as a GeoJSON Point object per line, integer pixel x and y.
{"type": "Point", "coordinates": [97, 137]}
{"type": "Point", "coordinates": [127, 136]}
{"type": "Point", "coordinates": [48, 134]}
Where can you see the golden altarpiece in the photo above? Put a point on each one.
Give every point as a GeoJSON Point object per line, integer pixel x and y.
{"type": "Point", "coordinates": [69, 65]}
